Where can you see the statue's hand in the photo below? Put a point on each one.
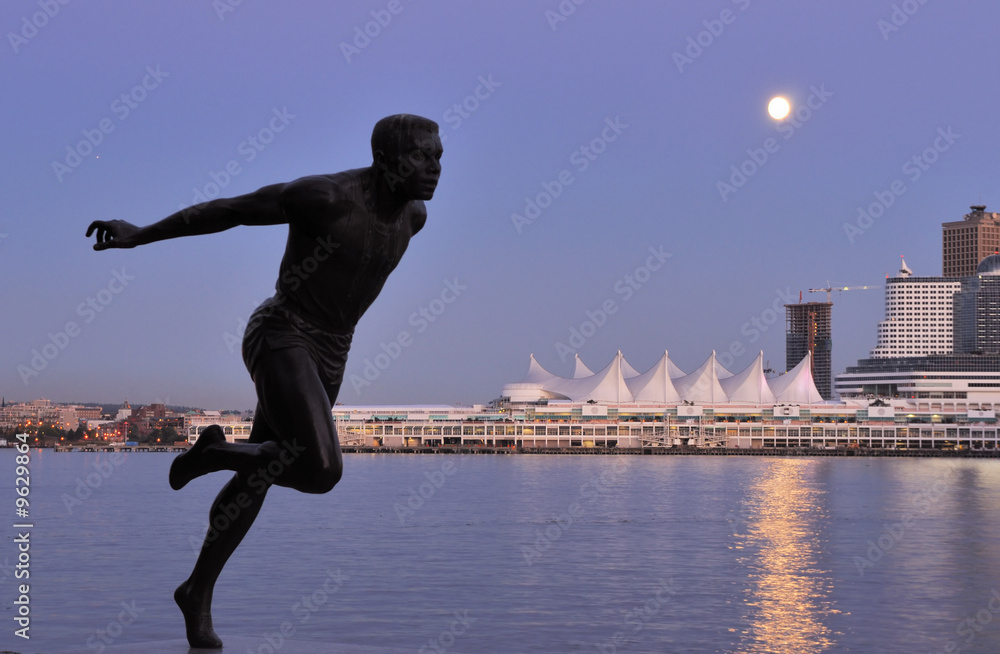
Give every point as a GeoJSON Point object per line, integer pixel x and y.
{"type": "Point", "coordinates": [113, 234]}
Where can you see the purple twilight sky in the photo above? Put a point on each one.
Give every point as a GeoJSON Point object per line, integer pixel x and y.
{"type": "Point", "coordinates": [654, 195]}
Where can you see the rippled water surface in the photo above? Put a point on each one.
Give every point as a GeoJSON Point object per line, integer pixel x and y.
{"type": "Point", "coordinates": [530, 554]}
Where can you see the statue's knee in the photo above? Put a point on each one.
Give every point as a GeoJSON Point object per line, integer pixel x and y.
{"type": "Point", "coordinates": [325, 478]}
{"type": "Point", "coordinates": [331, 477]}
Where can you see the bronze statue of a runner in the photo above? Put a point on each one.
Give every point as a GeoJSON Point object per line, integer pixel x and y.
{"type": "Point", "coordinates": [346, 232]}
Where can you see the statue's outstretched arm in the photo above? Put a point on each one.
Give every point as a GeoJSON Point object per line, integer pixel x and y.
{"type": "Point", "coordinates": [258, 208]}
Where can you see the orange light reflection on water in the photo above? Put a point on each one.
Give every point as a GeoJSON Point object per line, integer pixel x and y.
{"type": "Point", "coordinates": [787, 592]}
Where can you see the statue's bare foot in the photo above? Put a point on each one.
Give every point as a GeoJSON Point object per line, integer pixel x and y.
{"type": "Point", "coordinates": [189, 465]}
{"type": "Point", "coordinates": [197, 620]}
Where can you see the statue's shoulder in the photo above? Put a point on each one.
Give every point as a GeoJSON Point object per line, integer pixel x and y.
{"type": "Point", "coordinates": [316, 192]}
{"type": "Point", "coordinates": [342, 184]}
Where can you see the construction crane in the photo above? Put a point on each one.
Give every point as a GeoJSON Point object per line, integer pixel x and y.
{"type": "Point", "coordinates": [829, 289]}
{"type": "Point", "coordinates": [810, 324]}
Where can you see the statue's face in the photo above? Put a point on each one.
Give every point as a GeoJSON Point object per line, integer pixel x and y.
{"type": "Point", "coordinates": [414, 172]}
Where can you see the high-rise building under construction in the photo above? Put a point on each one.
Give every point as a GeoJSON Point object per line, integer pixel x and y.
{"type": "Point", "coordinates": [807, 329]}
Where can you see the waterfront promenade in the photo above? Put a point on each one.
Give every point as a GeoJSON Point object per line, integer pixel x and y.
{"type": "Point", "coordinates": [681, 451]}
{"type": "Point", "coordinates": [614, 451]}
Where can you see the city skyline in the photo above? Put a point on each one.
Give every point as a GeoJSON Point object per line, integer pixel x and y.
{"type": "Point", "coordinates": [609, 172]}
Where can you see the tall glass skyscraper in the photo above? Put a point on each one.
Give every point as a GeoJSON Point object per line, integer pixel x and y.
{"type": "Point", "coordinates": [977, 310]}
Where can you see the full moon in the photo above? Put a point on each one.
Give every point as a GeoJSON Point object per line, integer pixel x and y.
{"type": "Point", "coordinates": [778, 108]}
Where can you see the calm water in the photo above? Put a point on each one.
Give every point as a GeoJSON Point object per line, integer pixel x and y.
{"type": "Point", "coordinates": [532, 554]}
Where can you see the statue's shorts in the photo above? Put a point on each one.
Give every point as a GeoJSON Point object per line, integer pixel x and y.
{"type": "Point", "coordinates": [274, 325]}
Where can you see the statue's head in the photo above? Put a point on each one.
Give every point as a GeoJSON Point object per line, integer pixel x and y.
{"type": "Point", "coordinates": [406, 150]}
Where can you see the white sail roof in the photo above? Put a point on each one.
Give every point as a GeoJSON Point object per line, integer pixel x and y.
{"type": "Point", "coordinates": [721, 372]}
{"type": "Point", "coordinates": [655, 385]}
{"type": "Point", "coordinates": [581, 370]}
{"type": "Point", "coordinates": [749, 385]}
{"type": "Point", "coordinates": [627, 370]}
{"type": "Point", "coordinates": [539, 375]}
{"type": "Point", "coordinates": [608, 385]}
{"type": "Point", "coordinates": [674, 370]}
{"type": "Point", "coordinates": [797, 384]}
{"type": "Point", "coordinates": [665, 383]}
{"type": "Point", "coordinates": [702, 385]}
